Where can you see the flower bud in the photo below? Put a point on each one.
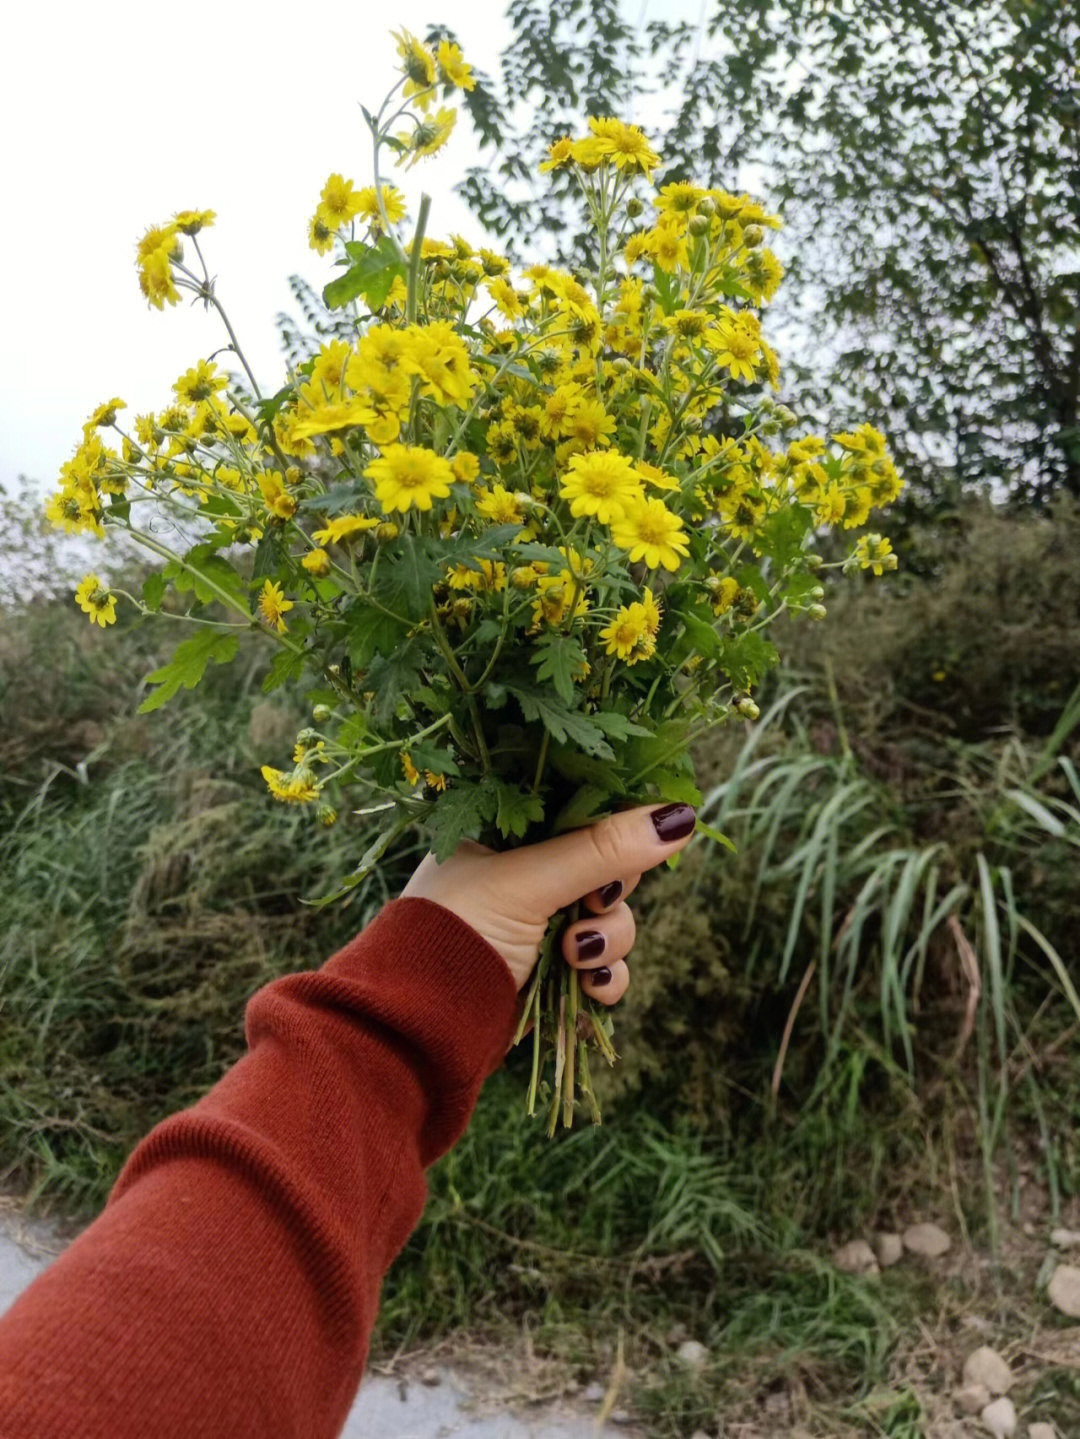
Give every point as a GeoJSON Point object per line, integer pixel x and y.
{"type": "Point", "coordinates": [747, 708]}
{"type": "Point", "coordinates": [699, 225]}
{"type": "Point", "coordinates": [816, 612]}
{"type": "Point", "coordinates": [707, 206]}
{"type": "Point", "coordinates": [327, 815]}
{"type": "Point", "coordinates": [634, 207]}
{"type": "Point", "coordinates": [652, 294]}
{"type": "Point", "coordinates": [786, 416]}
{"type": "Point", "coordinates": [621, 365]}
{"type": "Point", "coordinates": [813, 561]}
{"type": "Point", "coordinates": [321, 713]}
{"type": "Point", "coordinates": [753, 236]}
{"type": "Point", "coordinates": [770, 427]}
{"type": "Point", "coordinates": [386, 532]}
{"type": "Point", "coordinates": [817, 593]}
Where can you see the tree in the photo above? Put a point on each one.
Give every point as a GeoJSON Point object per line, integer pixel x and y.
{"type": "Point", "coordinates": [926, 159]}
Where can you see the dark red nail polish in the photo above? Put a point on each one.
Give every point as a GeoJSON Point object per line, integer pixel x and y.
{"type": "Point", "coordinates": [674, 821]}
{"type": "Point", "coordinates": [590, 944]}
{"type": "Point", "coordinates": [610, 892]}
{"type": "Point", "coordinates": [600, 977]}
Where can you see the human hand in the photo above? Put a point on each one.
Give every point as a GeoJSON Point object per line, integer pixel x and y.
{"type": "Point", "coordinates": [509, 897]}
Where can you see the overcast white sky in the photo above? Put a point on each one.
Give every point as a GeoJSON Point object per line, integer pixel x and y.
{"type": "Point", "coordinates": [117, 115]}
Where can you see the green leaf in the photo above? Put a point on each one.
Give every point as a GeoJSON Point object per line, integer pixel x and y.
{"type": "Point", "coordinates": [745, 658]}
{"type": "Point", "coordinates": [583, 808]}
{"type": "Point", "coordinates": [392, 677]}
{"type": "Point", "coordinates": [406, 575]}
{"type": "Point", "coordinates": [457, 814]}
{"type": "Point", "coordinates": [188, 665]}
{"type": "Point", "coordinates": [516, 808]}
{"type": "Point", "coordinates": [287, 665]}
{"type": "Point", "coordinates": [617, 726]}
{"type": "Point", "coordinates": [205, 572]}
{"type": "Point", "coordinates": [559, 658]}
{"type": "Point", "coordinates": [371, 633]}
{"type": "Point", "coordinates": [710, 832]}
{"type": "Point", "coordinates": [153, 591]}
{"type": "Point", "coordinates": [373, 271]}
{"type": "Point", "coordinates": [337, 500]}
{"type": "Point", "coordinates": [674, 784]}
{"type": "Point", "coordinates": [563, 725]}
{"type": "Point", "coordinates": [271, 553]}
{"type": "Point", "coordinates": [270, 408]}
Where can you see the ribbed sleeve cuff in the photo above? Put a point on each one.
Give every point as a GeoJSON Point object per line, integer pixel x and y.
{"type": "Point", "coordinates": [451, 992]}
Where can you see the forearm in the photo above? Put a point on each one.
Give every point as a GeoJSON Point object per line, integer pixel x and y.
{"type": "Point", "coordinates": [231, 1283]}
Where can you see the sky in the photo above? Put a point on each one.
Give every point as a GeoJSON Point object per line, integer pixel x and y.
{"type": "Point", "coordinates": [117, 116]}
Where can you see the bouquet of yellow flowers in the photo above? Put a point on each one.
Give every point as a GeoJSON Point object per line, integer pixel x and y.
{"type": "Point", "coordinates": [518, 537]}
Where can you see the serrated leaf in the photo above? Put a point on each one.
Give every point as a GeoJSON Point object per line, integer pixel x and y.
{"type": "Point", "coordinates": [153, 591]}
{"type": "Point", "coordinates": [617, 726]}
{"type": "Point", "coordinates": [456, 815]}
{"type": "Point", "coordinates": [270, 554]}
{"type": "Point", "coordinates": [745, 658]}
{"type": "Point", "coordinates": [515, 808]}
{"type": "Point", "coordinates": [371, 633]}
{"type": "Point", "coordinates": [583, 808]}
{"type": "Point", "coordinates": [562, 724]}
{"type": "Point", "coordinates": [206, 573]}
{"type": "Point", "coordinates": [393, 676]}
{"type": "Point", "coordinates": [372, 273]}
{"type": "Point", "coordinates": [337, 500]}
{"type": "Point", "coordinates": [188, 665]}
{"type": "Point", "coordinates": [405, 577]}
{"type": "Point", "coordinates": [287, 665]}
{"type": "Point", "coordinates": [675, 785]}
{"type": "Point", "coordinates": [559, 658]}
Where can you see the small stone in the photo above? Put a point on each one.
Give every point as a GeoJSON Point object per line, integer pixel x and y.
{"type": "Point", "coordinates": [1000, 1418]}
{"type": "Point", "coordinates": [700, 1434]}
{"type": "Point", "coordinates": [856, 1257]}
{"type": "Point", "coordinates": [621, 1416]}
{"type": "Point", "coordinates": [1064, 1290]}
{"type": "Point", "coordinates": [1042, 1431]}
{"type": "Point", "coordinates": [986, 1366]}
{"type": "Point", "coordinates": [431, 1377]}
{"type": "Point", "coordinates": [888, 1249]}
{"type": "Point", "coordinates": [594, 1393]}
{"type": "Point", "coordinates": [972, 1398]}
{"type": "Point", "coordinates": [929, 1240]}
{"type": "Point", "coordinates": [1065, 1238]}
{"type": "Point", "coordinates": [692, 1355]}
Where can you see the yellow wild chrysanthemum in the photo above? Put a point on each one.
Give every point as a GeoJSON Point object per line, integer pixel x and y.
{"type": "Point", "coordinates": [418, 67]}
{"type": "Point", "coordinates": [410, 477]}
{"type": "Point", "coordinates": [875, 552]}
{"type": "Point", "coordinates": [453, 70]}
{"type": "Point", "coordinates": [367, 203]}
{"type": "Point", "coordinates": [649, 531]}
{"type": "Point", "coordinates": [317, 563]}
{"type": "Point", "coordinates": [412, 774]}
{"type": "Point", "coordinates": [300, 787]}
{"type": "Point", "coordinates": [430, 135]}
{"type": "Point", "coordinates": [342, 527]}
{"type": "Point", "coordinates": [500, 506]}
{"type": "Point", "coordinates": [624, 636]}
{"type": "Point", "coordinates": [93, 597]}
{"type": "Point", "coordinates": [276, 497]}
{"type": "Point", "coordinates": [339, 202]}
{"type": "Point", "coordinates": [601, 483]}
{"type": "Point", "coordinates": [273, 605]}
{"type": "Point", "coordinates": [624, 145]}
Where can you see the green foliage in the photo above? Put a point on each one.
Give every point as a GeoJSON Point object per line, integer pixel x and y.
{"type": "Point", "coordinates": [188, 665]}
{"type": "Point", "coordinates": [373, 270]}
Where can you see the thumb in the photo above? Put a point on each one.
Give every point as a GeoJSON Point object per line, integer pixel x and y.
{"type": "Point", "coordinates": [556, 872]}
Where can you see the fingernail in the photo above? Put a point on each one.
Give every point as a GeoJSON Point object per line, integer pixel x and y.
{"type": "Point", "coordinates": [590, 943]}
{"type": "Point", "coordinates": [600, 977]}
{"type": "Point", "coordinates": [674, 821]}
{"type": "Point", "coordinates": [610, 892]}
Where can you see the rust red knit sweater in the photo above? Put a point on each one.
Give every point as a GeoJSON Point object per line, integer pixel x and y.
{"type": "Point", "coordinates": [229, 1287]}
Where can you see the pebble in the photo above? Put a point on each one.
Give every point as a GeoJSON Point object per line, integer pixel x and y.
{"type": "Point", "coordinates": [929, 1240]}
{"type": "Point", "coordinates": [1064, 1290]}
{"type": "Point", "coordinates": [986, 1366]}
{"type": "Point", "coordinates": [972, 1398]}
{"type": "Point", "coordinates": [594, 1392]}
{"type": "Point", "coordinates": [692, 1355]}
{"type": "Point", "coordinates": [1000, 1418]}
{"type": "Point", "coordinates": [1042, 1431]}
{"type": "Point", "coordinates": [856, 1257]}
{"type": "Point", "coordinates": [888, 1249]}
{"type": "Point", "coordinates": [1065, 1238]}
{"type": "Point", "coordinates": [700, 1434]}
